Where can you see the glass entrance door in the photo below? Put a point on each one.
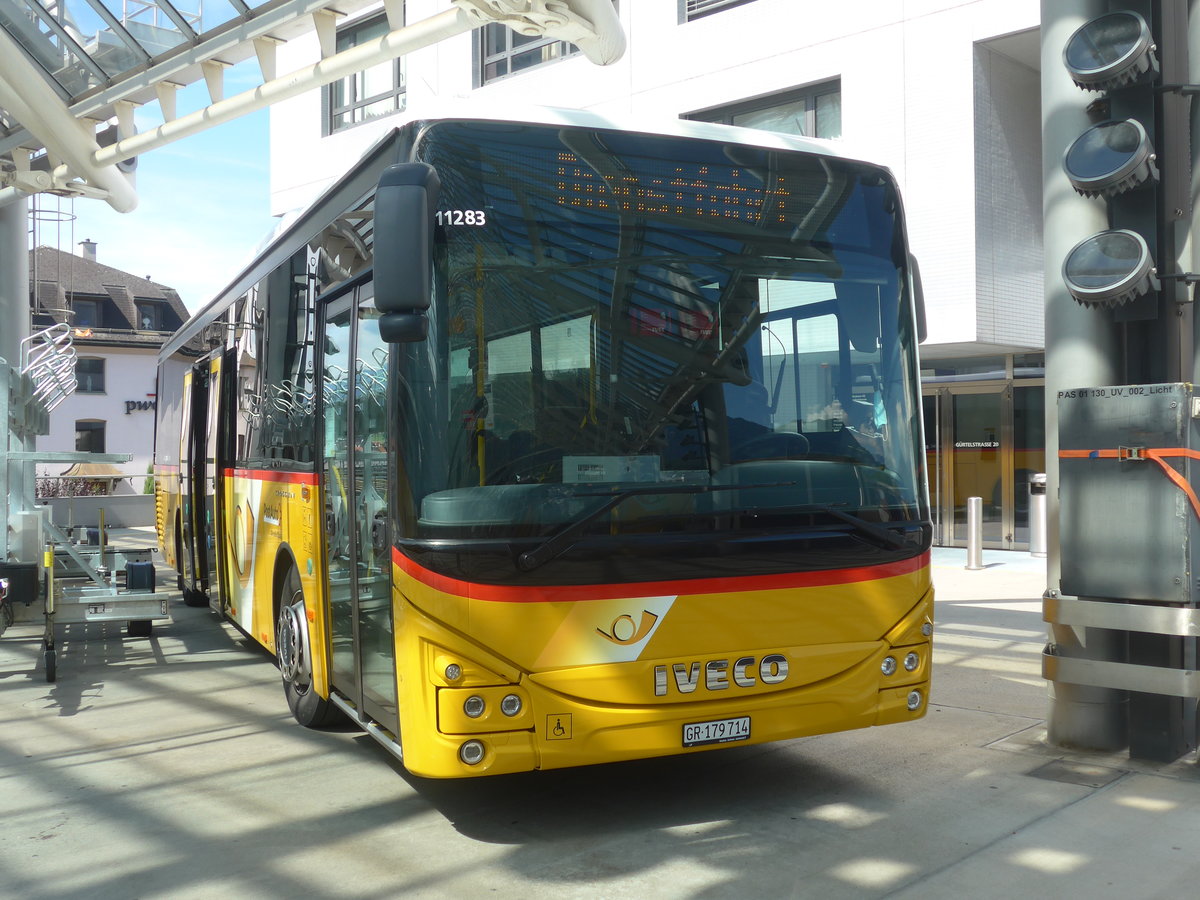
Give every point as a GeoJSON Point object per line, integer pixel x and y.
{"type": "Point", "coordinates": [976, 468]}
{"type": "Point", "coordinates": [983, 440]}
{"type": "Point", "coordinates": [1029, 451]}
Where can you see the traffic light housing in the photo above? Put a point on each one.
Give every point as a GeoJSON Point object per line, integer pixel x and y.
{"type": "Point", "coordinates": [1135, 158]}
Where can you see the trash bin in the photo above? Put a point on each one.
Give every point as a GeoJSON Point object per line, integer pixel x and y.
{"type": "Point", "coordinates": [1037, 514]}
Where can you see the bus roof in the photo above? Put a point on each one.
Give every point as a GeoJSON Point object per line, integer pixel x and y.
{"type": "Point", "coordinates": [584, 118]}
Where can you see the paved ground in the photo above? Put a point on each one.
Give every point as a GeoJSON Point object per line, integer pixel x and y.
{"type": "Point", "coordinates": [168, 767]}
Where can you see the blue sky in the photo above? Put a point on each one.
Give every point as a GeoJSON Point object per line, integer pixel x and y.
{"type": "Point", "coordinates": [202, 203]}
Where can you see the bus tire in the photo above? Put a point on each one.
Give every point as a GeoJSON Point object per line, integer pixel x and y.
{"type": "Point", "coordinates": [293, 651]}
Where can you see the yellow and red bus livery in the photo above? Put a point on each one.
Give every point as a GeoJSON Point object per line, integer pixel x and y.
{"type": "Point", "coordinates": [545, 443]}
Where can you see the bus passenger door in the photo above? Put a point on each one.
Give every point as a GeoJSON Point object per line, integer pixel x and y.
{"type": "Point", "coordinates": [373, 543]}
{"type": "Point", "coordinates": [218, 459]}
{"type": "Point", "coordinates": [192, 448]}
{"type": "Point", "coordinates": [202, 454]}
{"type": "Point", "coordinates": [354, 479]}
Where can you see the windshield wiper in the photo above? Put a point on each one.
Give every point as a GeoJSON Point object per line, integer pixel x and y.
{"type": "Point", "coordinates": [560, 541]}
{"type": "Point", "coordinates": [870, 529]}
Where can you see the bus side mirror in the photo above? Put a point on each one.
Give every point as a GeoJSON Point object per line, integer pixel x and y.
{"type": "Point", "coordinates": [405, 203]}
{"type": "Point", "coordinates": [918, 298]}
{"type": "Point", "coordinates": [403, 327]}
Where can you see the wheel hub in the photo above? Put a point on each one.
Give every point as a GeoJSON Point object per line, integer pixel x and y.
{"type": "Point", "coordinates": [289, 646]}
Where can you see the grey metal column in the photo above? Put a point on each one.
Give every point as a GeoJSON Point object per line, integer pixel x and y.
{"type": "Point", "coordinates": [1194, 247]}
{"type": "Point", "coordinates": [14, 325]}
{"type": "Point", "coordinates": [14, 279]}
{"type": "Point", "coordinates": [1081, 351]}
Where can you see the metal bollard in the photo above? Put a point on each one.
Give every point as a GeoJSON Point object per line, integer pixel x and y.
{"type": "Point", "coordinates": [974, 533]}
{"type": "Point", "coordinates": [1037, 515]}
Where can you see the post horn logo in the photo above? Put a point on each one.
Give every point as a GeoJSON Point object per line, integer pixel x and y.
{"type": "Point", "coordinates": [625, 631]}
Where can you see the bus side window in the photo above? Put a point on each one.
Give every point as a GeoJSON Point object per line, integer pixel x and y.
{"type": "Point", "coordinates": [249, 339]}
{"type": "Point", "coordinates": [287, 393]}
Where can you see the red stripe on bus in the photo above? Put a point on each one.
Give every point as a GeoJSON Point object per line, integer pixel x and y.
{"type": "Point", "coordinates": [273, 475]}
{"type": "Point", "coordinates": [503, 593]}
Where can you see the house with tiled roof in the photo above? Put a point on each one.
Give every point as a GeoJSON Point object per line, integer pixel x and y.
{"type": "Point", "coordinates": [118, 322]}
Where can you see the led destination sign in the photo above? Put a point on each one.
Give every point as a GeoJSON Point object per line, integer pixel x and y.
{"type": "Point", "coordinates": [733, 193]}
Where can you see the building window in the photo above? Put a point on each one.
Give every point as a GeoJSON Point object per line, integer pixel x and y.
{"type": "Point", "coordinates": [89, 376]}
{"type": "Point", "coordinates": [690, 10]}
{"type": "Point", "coordinates": [502, 52]}
{"type": "Point", "coordinates": [87, 313]}
{"type": "Point", "coordinates": [814, 111]}
{"type": "Point", "coordinates": [89, 436]}
{"type": "Point", "coordinates": [377, 91]}
{"type": "Point", "coordinates": [149, 316]}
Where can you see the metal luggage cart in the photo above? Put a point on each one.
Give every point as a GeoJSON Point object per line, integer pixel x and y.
{"type": "Point", "coordinates": [97, 596]}
{"type": "Point", "coordinates": [28, 393]}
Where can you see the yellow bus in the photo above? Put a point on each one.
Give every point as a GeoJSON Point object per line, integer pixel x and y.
{"type": "Point", "coordinates": [540, 442]}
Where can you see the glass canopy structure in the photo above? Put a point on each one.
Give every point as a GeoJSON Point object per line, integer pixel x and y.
{"type": "Point", "coordinates": [72, 72]}
{"type": "Point", "coordinates": [66, 62]}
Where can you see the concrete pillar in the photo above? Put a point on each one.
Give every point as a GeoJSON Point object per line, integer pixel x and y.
{"type": "Point", "coordinates": [1081, 351]}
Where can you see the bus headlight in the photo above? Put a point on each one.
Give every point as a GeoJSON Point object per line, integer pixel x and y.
{"type": "Point", "coordinates": [474, 706]}
{"type": "Point", "coordinates": [911, 661]}
{"type": "Point", "coordinates": [914, 700]}
{"type": "Point", "coordinates": [453, 672]}
{"type": "Point", "coordinates": [511, 705]}
{"type": "Point", "coordinates": [888, 667]}
{"type": "Point", "coordinates": [472, 752]}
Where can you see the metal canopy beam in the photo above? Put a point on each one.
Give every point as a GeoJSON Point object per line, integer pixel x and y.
{"type": "Point", "coordinates": [31, 99]}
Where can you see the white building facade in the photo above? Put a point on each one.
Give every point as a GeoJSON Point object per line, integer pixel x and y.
{"type": "Point", "coordinates": [113, 416]}
{"type": "Point", "coordinates": [118, 323]}
{"type": "Point", "coordinates": [944, 92]}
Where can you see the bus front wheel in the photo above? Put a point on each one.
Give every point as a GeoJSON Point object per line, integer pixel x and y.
{"type": "Point", "coordinates": [293, 650]}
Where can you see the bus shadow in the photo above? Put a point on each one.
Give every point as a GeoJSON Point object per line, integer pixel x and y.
{"type": "Point", "coordinates": [591, 802]}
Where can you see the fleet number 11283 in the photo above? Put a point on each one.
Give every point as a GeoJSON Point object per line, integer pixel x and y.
{"type": "Point", "coordinates": [473, 217]}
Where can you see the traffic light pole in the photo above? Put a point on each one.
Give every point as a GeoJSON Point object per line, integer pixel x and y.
{"type": "Point", "coordinates": [1082, 349]}
{"type": "Point", "coordinates": [1174, 207]}
{"type": "Point", "coordinates": [1123, 600]}
{"type": "Point", "coordinates": [1192, 247]}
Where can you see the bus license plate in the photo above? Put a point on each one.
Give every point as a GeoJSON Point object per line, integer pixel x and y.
{"type": "Point", "coordinates": [720, 731]}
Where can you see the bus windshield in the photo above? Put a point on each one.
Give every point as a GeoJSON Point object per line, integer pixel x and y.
{"type": "Point", "coordinates": [637, 340]}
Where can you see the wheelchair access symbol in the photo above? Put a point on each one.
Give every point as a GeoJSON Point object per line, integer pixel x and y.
{"type": "Point", "coordinates": [558, 727]}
